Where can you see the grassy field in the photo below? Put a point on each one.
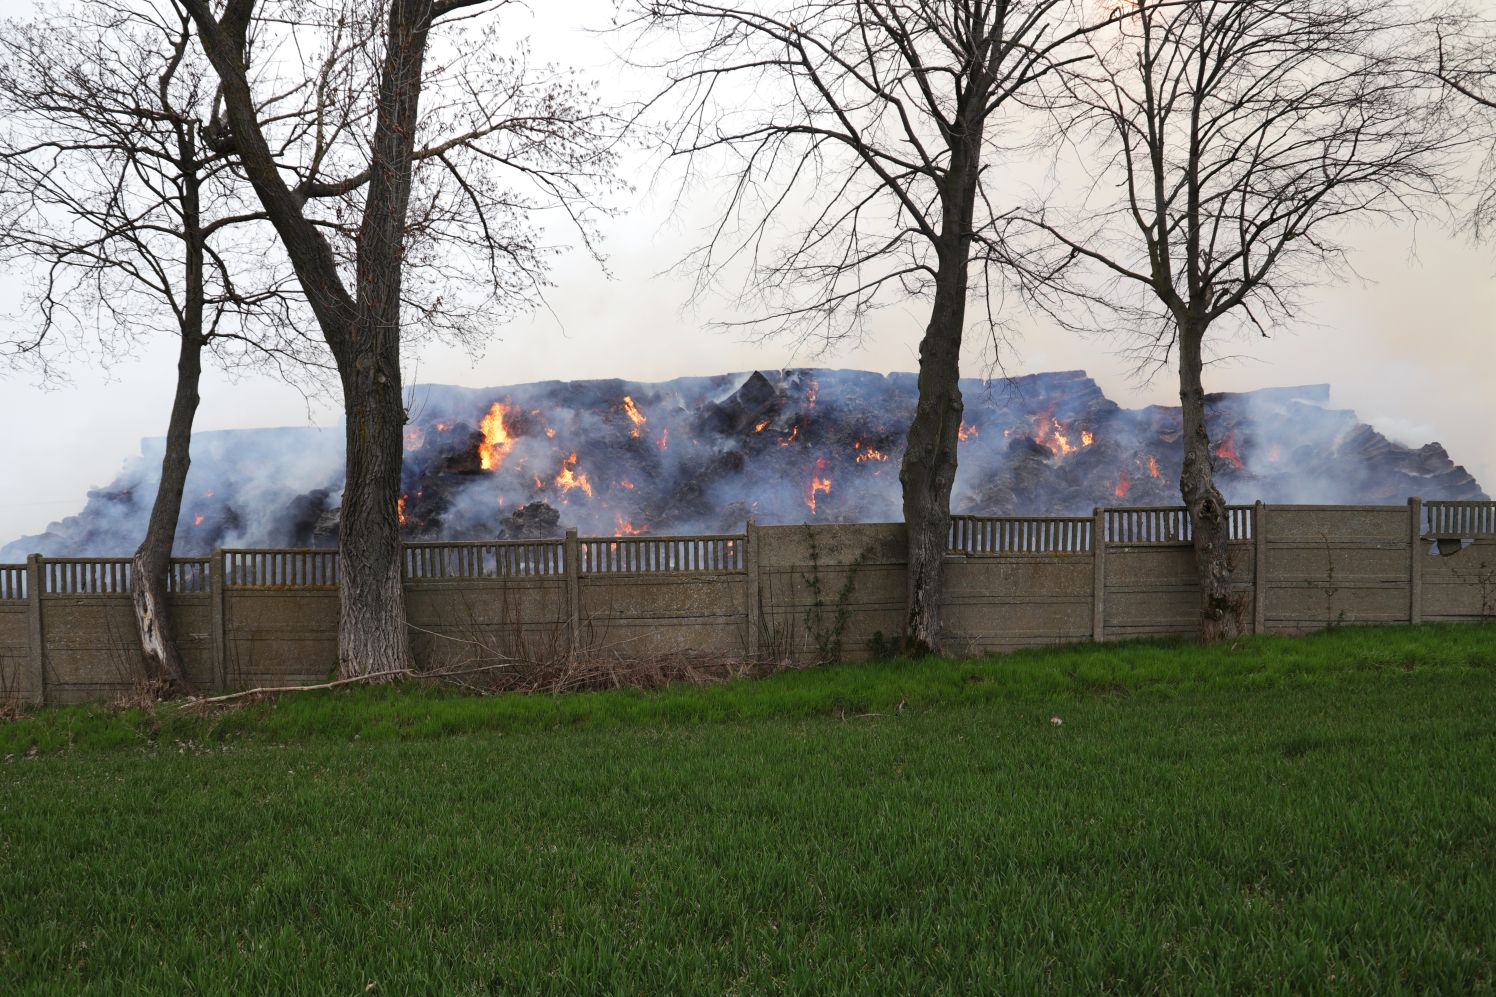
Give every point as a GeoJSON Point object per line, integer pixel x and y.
{"type": "Point", "coordinates": [1286, 816]}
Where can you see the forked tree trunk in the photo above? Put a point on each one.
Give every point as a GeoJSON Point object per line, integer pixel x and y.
{"type": "Point", "coordinates": [929, 468]}
{"type": "Point", "coordinates": [372, 634]}
{"type": "Point", "coordinates": [1221, 608]}
{"type": "Point", "coordinates": [163, 661]}
{"type": "Point", "coordinates": [361, 328]}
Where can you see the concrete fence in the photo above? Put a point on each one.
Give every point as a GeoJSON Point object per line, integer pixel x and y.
{"type": "Point", "coordinates": [247, 618]}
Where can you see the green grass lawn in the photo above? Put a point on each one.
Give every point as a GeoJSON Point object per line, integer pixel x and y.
{"type": "Point", "coordinates": [1286, 816]}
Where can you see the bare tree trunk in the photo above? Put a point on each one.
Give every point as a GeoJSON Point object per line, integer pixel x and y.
{"type": "Point", "coordinates": [372, 636]}
{"type": "Point", "coordinates": [372, 633]}
{"type": "Point", "coordinates": [152, 562]}
{"type": "Point", "coordinates": [929, 469]}
{"type": "Point", "coordinates": [163, 661]}
{"type": "Point", "coordinates": [1221, 608]}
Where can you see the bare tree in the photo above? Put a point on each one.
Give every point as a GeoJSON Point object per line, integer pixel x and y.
{"type": "Point", "coordinates": [868, 130]}
{"type": "Point", "coordinates": [1465, 61]}
{"type": "Point", "coordinates": [409, 158]}
{"type": "Point", "coordinates": [130, 226]}
{"type": "Point", "coordinates": [1225, 145]}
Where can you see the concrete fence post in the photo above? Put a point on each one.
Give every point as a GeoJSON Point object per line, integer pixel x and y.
{"type": "Point", "coordinates": [573, 559]}
{"type": "Point", "coordinates": [216, 614]}
{"type": "Point", "coordinates": [35, 691]}
{"type": "Point", "coordinates": [750, 562]}
{"type": "Point", "coordinates": [1415, 562]}
{"type": "Point", "coordinates": [1098, 575]}
{"type": "Point", "coordinates": [1259, 567]}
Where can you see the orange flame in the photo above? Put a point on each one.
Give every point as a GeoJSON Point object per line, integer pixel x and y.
{"type": "Point", "coordinates": [496, 439]}
{"type": "Point", "coordinates": [550, 433]}
{"type": "Point", "coordinates": [623, 528]}
{"type": "Point", "coordinates": [760, 427]}
{"type": "Point", "coordinates": [1227, 450]}
{"type": "Point", "coordinates": [810, 395]}
{"type": "Point", "coordinates": [568, 478]}
{"type": "Point", "coordinates": [539, 485]}
{"type": "Point", "coordinates": [197, 520]}
{"type": "Point", "coordinates": [818, 483]}
{"type": "Point", "coordinates": [399, 509]}
{"type": "Point", "coordinates": [966, 431]}
{"type": "Point", "coordinates": [785, 441]}
{"type": "Point", "coordinates": [442, 427]}
{"type": "Point", "coordinates": [635, 416]}
{"type": "Point", "coordinates": [1087, 437]}
{"type": "Point", "coordinates": [626, 483]}
{"type": "Point", "coordinates": [1153, 465]}
{"type": "Point", "coordinates": [1053, 434]}
{"type": "Point", "coordinates": [1123, 486]}
{"type": "Point", "coordinates": [865, 454]}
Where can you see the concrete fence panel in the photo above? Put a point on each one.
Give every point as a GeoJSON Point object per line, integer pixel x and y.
{"type": "Point", "coordinates": [269, 617]}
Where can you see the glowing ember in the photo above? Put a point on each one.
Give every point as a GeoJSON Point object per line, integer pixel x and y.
{"type": "Point", "coordinates": [496, 439]}
{"type": "Point", "coordinates": [966, 431]}
{"type": "Point", "coordinates": [819, 482]}
{"type": "Point", "coordinates": [539, 485]}
{"type": "Point", "coordinates": [550, 433]}
{"type": "Point", "coordinates": [1153, 465]}
{"type": "Point", "coordinates": [568, 478]}
{"type": "Point", "coordinates": [208, 493]}
{"type": "Point", "coordinates": [442, 427]}
{"type": "Point", "coordinates": [626, 484]}
{"type": "Point", "coordinates": [635, 416]}
{"type": "Point", "coordinates": [1087, 437]}
{"type": "Point", "coordinates": [760, 427]}
{"type": "Point", "coordinates": [1227, 451]}
{"type": "Point", "coordinates": [623, 528]}
{"type": "Point", "coordinates": [197, 520]}
{"type": "Point", "coordinates": [1123, 486]}
{"type": "Point", "coordinates": [785, 441]}
{"type": "Point", "coordinates": [414, 438]}
{"type": "Point", "coordinates": [664, 438]}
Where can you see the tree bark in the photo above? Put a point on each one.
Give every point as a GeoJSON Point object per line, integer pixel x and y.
{"type": "Point", "coordinates": [928, 472]}
{"type": "Point", "coordinates": [929, 469]}
{"type": "Point", "coordinates": [152, 561]}
{"type": "Point", "coordinates": [1221, 608]}
{"type": "Point", "coordinates": [373, 637]}
{"type": "Point", "coordinates": [362, 329]}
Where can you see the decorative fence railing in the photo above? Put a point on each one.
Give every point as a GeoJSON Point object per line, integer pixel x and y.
{"type": "Point", "coordinates": [12, 582]}
{"type": "Point", "coordinates": [433, 561]}
{"type": "Point", "coordinates": [1138, 526]}
{"type": "Point", "coordinates": [1019, 535]}
{"type": "Point", "coordinates": [86, 576]}
{"type": "Point", "coordinates": [640, 555]}
{"type": "Point", "coordinates": [1459, 519]}
{"type": "Point", "coordinates": [283, 568]}
{"type": "Point", "coordinates": [190, 575]}
{"type": "Point", "coordinates": [485, 559]}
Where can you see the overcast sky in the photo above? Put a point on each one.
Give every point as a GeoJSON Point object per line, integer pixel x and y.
{"type": "Point", "coordinates": [1412, 349]}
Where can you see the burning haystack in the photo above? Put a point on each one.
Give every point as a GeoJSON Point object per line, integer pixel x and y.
{"type": "Point", "coordinates": [703, 454]}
